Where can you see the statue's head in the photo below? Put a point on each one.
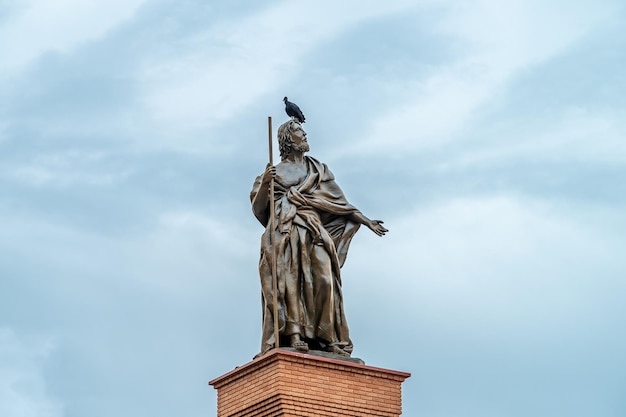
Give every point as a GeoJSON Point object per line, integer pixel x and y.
{"type": "Point", "coordinates": [291, 137]}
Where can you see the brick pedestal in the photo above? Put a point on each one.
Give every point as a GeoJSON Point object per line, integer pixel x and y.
{"type": "Point", "coordinates": [284, 383]}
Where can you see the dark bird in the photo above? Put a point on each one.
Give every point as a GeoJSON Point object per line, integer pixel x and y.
{"type": "Point", "coordinates": [293, 110]}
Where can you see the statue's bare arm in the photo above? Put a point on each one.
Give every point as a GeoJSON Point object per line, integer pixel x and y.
{"type": "Point", "coordinates": [261, 200]}
{"type": "Point", "coordinates": [375, 226]}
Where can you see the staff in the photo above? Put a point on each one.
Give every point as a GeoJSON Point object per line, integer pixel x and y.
{"type": "Point", "coordinates": [273, 228]}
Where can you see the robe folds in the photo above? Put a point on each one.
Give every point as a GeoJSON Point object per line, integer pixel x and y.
{"type": "Point", "coordinates": [312, 234]}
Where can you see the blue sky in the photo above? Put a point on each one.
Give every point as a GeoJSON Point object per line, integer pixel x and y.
{"type": "Point", "coordinates": [489, 135]}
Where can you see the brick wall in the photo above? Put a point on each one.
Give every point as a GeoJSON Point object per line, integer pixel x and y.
{"type": "Point", "coordinates": [284, 383]}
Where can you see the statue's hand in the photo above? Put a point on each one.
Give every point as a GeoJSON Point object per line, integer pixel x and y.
{"type": "Point", "coordinates": [270, 172]}
{"type": "Point", "coordinates": [377, 227]}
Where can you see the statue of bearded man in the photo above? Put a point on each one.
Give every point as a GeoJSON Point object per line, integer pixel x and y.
{"type": "Point", "coordinates": [313, 229]}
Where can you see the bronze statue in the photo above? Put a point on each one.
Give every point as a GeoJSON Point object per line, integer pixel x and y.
{"type": "Point", "coordinates": [314, 224]}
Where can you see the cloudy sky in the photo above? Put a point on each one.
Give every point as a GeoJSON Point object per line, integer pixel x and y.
{"type": "Point", "coordinates": [489, 135]}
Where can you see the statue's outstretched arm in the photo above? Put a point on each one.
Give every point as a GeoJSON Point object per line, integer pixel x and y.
{"type": "Point", "coordinates": [375, 226]}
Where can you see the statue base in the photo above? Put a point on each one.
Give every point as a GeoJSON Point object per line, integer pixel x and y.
{"type": "Point", "coordinates": [324, 354]}
{"type": "Point", "coordinates": [287, 383]}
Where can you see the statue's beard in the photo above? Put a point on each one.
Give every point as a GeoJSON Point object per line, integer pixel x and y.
{"type": "Point", "coordinates": [302, 148]}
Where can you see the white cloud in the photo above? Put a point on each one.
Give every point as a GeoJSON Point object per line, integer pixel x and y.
{"type": "Point", "coordinates": [576, 134]}
{"type": "Point", "coordinates": [497, 41]}
{"type": "Point", "coordinates": [237, 61]}
{"type": "Point", "coordinates": [189, 250]}
{"type": "Point", "coordinates": [57, 26]}
{"type": "Point", "coordinates": [478, 282]}
{"type": "Point", "coordinates": [63, 169]}
{"type": "Point", "coordinates": [588, 135]}
{"type": "Point", "coordinates": [4, 126]}
{"type": "Point", "coordinates": [482, 255]}
{"type": "Point", "coordinates": [183, 252]}
{"type": "Point", "coordinates": [22, 382]}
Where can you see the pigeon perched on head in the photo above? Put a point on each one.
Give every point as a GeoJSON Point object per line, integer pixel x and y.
{"type": "Point", "coordinates": [293, 110]}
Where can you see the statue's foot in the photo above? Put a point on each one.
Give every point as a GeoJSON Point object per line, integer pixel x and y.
{"type": "Point", "coordinates": [337, 351]}
{"type": "Point", "coordinates": [298, 344]}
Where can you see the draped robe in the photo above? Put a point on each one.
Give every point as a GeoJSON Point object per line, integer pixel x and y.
{"type": "Point", "coordinates": [313, 230]}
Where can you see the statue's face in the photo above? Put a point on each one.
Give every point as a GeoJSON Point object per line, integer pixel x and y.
{"type": "Point", "coordinates": [298, 135]}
